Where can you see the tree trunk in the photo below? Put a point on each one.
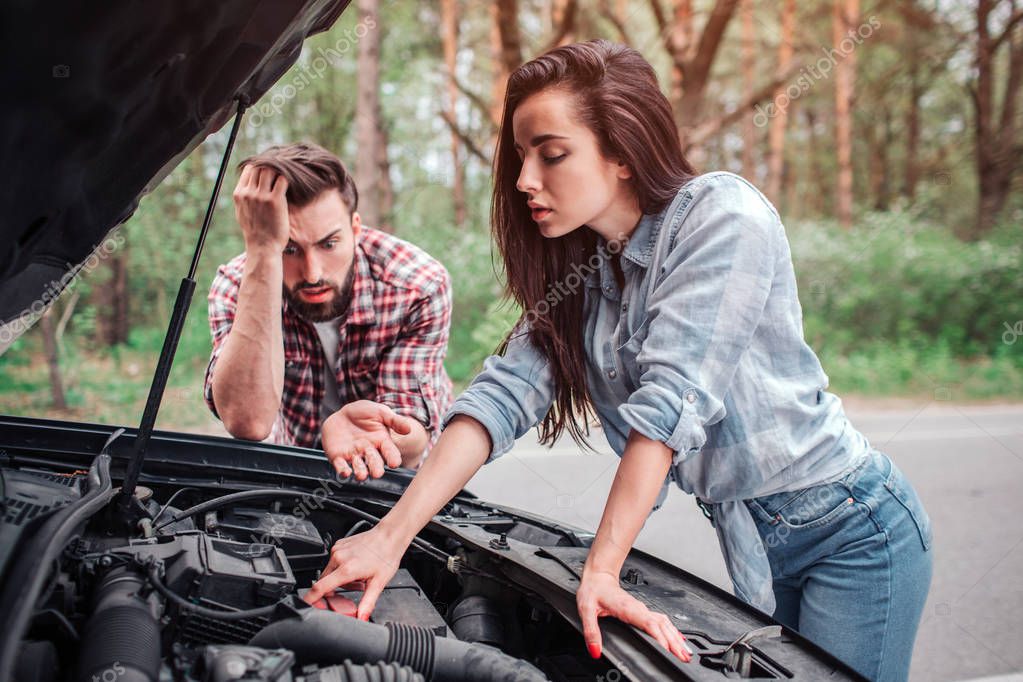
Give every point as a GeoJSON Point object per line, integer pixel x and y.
{"type": "Point", "coordinates": [119, 299]}
{"type": "Point", "coordinates": [844, 18]}
{"type": "Point", "coordinates": [793, 177]}
{"type": "Point", "coordinates": [499, 76]}
{"type": "Point", "coordinates": [883, 196]}
{"type": "Point", "coordinates": [822, 188]}
{"type": "Point", "coordinates": [911, 168]}
{"type": "Point", "coordinates": [776, 135]}
{"type": "Point", "coordinates": [749, 128]}
{"type": "Point", "coordinates": [682, 44]}
{"type": "Point", "coordinates": [505, 50]}
{"type": "Point", "coordinates": [997, 149]}
{"type": "Point", "coordinates": [385, 190]}
{"type": "Point", "coordinates": [449, 19]}
{"type": "Point", "coordinates": [922, 68]}
{"type": "Point", "coordinates": [53, 359]}
{"type": "Point", "coordinates": [692, 58]}
{"type": "Point", "coordinates": [563, 22]}
{"type": "Point", "coordinates": [696, 70]}
{"type": "Point", "coordinates": [367, 112]}
{"type": "Point", "coordinates": [879, 179]}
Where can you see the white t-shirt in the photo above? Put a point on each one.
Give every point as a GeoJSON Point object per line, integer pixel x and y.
{"type": "Point", "coordinates": [328, 333]}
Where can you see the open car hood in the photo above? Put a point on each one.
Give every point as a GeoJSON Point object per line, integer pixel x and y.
{"type": "Point", "coordinates": [104, 100]}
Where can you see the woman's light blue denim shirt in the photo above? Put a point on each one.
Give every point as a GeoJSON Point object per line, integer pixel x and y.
{"type": "Point", "coordinates": [708, 357]}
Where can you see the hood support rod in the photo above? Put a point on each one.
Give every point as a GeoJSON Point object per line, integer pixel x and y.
{"type": "Point", "coordinates": [174, 329]}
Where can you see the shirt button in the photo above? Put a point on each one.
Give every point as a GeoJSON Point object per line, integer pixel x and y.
{"type": "Point", "coordinates": [611, 374]}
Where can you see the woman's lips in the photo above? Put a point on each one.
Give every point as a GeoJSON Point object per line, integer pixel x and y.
{"type": "Point", "coordinates": [541, 213]}
{"type": "Point", "coordinates": [316, 295]}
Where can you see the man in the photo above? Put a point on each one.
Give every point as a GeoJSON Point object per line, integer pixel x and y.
{"type": "Point", "coordinates": [326, 332]}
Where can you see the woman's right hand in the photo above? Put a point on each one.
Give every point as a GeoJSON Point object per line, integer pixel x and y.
{"type": "Point", "coordinates": [374, 556]}
{"type": "Point", "coordinates": [371, 558]}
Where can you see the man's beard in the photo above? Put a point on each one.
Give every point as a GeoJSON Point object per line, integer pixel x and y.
{"type": "Point", "coordinates": [333, 309]}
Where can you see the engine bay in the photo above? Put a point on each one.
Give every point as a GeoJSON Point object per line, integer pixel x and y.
{"type": "Point", "coordinates": [199, 574]}
{"type": "Point", "coordinates": [206, 587]}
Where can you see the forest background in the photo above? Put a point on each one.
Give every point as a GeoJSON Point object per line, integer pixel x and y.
{"type": "Point", "coordinates": [888, 133]}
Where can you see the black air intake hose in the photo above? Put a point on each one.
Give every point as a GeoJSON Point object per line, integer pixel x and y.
{"type": "Point", "coordinates": [122, 637]}
{"type": "Point", "coordinates": [349, 672]}
{"type": "Point", "coordinates": [325, 638]}
{"type": "Point", "coordinates": [477, 618]}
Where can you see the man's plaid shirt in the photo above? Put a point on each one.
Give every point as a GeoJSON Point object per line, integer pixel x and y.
{"type": "Point", "coordinates": [391, 346]}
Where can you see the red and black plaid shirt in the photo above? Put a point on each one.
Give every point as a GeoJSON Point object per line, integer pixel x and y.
{"type": "Point", "coordinates": [391, 346]}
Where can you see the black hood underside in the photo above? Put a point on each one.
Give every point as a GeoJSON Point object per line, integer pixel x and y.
{"type": "Point", "coordinates": [103, 100]}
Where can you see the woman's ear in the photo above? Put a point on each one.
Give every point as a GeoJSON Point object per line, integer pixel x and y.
{"type": "Point", "coordinates": [624, 172]}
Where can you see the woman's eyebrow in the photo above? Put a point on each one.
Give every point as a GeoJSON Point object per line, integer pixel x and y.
{"type": "Point", "coordinates": [540, 139]}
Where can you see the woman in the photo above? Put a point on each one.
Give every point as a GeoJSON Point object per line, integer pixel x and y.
{"type": "Point", "coordinates": [666, 303]}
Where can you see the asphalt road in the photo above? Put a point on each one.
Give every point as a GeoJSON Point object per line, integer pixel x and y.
{"type": "Point", "coordinates": [966, 462]}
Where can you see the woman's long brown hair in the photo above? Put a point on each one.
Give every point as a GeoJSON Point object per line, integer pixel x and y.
{"type": "Point", "coordinates": [615, 95]}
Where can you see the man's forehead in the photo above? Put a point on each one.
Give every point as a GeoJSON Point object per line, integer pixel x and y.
{"type": "Point", "coordinates": [322, 218]}
{"type": "Point", "coordinates": [311, 234]}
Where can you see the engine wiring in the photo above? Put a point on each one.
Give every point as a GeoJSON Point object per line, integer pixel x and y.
{"type": "Point", "coordinates": [357, 526]}
{"type": "Point", "coordinates": [153, 574]}
{"type": "Point", "coordinates": [170, 501]}
{"type": "Point", "coordinates": [264, 493]}
{"type": "Point", "coordinates": [365, 518]}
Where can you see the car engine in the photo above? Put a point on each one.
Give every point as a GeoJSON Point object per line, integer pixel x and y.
{"type": "Point", "coordinates": [205, 587]}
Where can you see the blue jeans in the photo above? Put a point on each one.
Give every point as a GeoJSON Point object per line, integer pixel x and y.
{"type": "Point", "coordinates": [852, 565]}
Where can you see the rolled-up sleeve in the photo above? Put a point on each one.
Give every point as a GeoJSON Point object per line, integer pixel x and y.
{"type": "Point", "coordinates": [709, 298]}
{"type": "Point", "coordinates": [222, 304]}
{"type": "Point", "coordinates": [511, 394]}
{"type": "Point", "coordinates": [411, 379]}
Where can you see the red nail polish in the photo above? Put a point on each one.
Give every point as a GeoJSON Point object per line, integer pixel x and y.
{"type": "Point", "coordinates": [594, 649]}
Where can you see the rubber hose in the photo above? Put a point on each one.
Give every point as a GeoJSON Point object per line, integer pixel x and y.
{"type": "Point", "coordinates": [121, 640]}
{"type": "Point", "coordinates": [351, 672]}
{"type": "Point", "coordinates": [325, 638]}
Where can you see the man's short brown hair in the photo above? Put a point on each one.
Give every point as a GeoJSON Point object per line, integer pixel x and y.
{"type": "Point", "coordinates": [310, 170]}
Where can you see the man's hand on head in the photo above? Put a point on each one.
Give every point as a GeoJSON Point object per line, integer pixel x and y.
{"type": "Point", "coordinates": [261, 208]}
{"type": "Point", "coordinates": [359, 439]}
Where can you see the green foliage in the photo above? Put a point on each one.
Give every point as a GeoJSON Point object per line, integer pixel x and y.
{"type": "Point", "coordinates": [901, 281]}
{"type": "Point", "coordinates": [930, 371]}
{"type": "Point", "coordinates": [466, 253]}
{"type": "Point", "coordinates": [501, 316]}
